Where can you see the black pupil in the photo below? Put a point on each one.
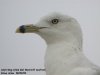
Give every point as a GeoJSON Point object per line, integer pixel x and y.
{"type": "Point", "coordinates": [55, 21]}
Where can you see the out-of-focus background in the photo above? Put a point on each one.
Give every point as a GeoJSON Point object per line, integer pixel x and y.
{"type": "Point", "coordinates": [28, 50]}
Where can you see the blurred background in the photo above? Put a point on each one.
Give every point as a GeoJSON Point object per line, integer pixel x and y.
{"type": "Point", "coordinates": [28, 50]}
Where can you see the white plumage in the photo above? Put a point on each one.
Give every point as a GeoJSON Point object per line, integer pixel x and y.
{"type": "Point", "coordinates": [64, 55]}
{"type": "Point", "coordinates": [64, 52]}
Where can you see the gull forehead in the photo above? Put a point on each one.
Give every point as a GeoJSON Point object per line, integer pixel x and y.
{"type": "Point", "coordinates": [63, 21]}
{"type": "Point", "coordinates": [55, 15]}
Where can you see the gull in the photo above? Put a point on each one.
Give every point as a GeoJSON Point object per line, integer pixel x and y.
{"type": "Point", "coordinates": [64, 54]}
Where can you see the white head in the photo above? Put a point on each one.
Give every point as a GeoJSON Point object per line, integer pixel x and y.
{"type": "Point", "coordinates": [55, 27]}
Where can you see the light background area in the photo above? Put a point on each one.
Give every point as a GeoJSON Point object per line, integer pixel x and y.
{"type": "Point", "coordinates": [27, 50]}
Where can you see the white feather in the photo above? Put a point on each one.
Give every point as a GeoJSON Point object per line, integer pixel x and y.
{"type": "Point", "coordinates": [64, 47]}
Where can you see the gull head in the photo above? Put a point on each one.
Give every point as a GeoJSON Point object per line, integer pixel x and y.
{"type": "Point", "coordinates": [54, 27]}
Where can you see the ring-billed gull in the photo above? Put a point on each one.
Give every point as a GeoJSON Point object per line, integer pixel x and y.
{"type": "Point", "coordinates": [64, 54]}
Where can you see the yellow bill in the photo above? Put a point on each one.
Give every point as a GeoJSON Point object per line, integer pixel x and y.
{"type": "Point", "coordinates": [28, 28]}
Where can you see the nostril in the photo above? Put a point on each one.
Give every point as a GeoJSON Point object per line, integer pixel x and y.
{"type": "Point", "coordinates": [22, 29]}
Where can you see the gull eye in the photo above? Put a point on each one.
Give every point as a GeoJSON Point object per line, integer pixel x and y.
{"type": "Point", "coordinates": [55, 21]}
